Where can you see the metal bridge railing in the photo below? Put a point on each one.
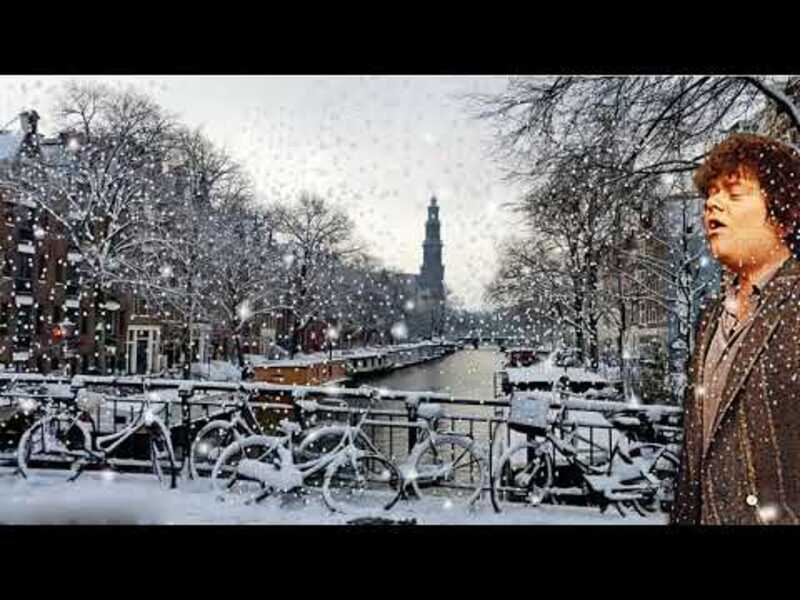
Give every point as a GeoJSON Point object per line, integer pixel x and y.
{"type": "Point", "coordinates": [185, 406]}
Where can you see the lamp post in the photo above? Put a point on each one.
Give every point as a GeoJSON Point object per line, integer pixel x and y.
{"type": "Point", "coordinates": [62, 335]}
{"type": "Point", "coordinates": [332, 334]}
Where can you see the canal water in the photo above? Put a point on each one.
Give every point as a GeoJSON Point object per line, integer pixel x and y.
{"type": "Point", "coordinates": [465, 374]}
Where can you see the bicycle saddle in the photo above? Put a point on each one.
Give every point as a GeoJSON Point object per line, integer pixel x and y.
{"type": "Point", "coordinates": [307, 405]}
{"type": "Point", "coordinates": [626, 419]}
{"type": "Point", "coordinates": [430, 412]}
{"type": "Point", "coordinates": [289, 427]}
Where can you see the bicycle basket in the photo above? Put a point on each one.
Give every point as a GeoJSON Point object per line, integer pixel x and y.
{"type": "Point", "coordinates": [529, 412]}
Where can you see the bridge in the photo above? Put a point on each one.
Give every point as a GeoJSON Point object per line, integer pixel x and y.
{"type": "Point", "coordinates": [504, 341]}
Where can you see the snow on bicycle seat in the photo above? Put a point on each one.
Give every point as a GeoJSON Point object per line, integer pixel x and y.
{"type": "Point", "coordinates": [624, 421]}
{"type": "Point", "coordinates": [289, 427]}
{"type": "Point", "coordinates": [430, 412]}
{"type": "Point", "coordinates": [307, 405]}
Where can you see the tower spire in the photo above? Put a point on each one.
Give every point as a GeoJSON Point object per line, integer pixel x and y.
{"type": "Point", "coordinates": [432, 270]}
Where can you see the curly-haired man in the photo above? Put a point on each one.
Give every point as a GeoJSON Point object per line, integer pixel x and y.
{"type": "Point", "coordinates": [741, 452]}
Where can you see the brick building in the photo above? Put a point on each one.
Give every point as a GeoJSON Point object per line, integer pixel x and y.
{"type": "Point", "coordinates": [47, 320]}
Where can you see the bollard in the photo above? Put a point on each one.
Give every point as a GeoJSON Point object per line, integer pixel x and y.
{"type": "Point", "coordinates": [412, 430]}
{"type": "Point", "coordinates": [185, 392]}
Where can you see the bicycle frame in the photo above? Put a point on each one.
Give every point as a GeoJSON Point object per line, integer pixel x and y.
{"type": "Point", "coordinates": [284, 446]}
{"type": "Point", "coordinates": [101, 447]}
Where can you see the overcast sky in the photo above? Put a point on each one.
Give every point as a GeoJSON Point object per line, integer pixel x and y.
{"type": "Point", "coordinates": [378, 146]}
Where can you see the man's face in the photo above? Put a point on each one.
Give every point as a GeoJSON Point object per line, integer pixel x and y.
{"type": "Point", "coordinates": [736, 222]}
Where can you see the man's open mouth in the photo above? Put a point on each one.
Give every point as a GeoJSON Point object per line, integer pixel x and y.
{"type": "Point", "coordinates": [715, 225]}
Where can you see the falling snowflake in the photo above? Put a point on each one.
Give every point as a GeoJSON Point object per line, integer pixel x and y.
{"type": "Point", "coordinates": [245, 311]}
{"type": "Point", "coordinates": [400, 331]}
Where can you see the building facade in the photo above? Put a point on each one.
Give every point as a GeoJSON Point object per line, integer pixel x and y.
{"type": "Point", "coordinates": [48, 321]}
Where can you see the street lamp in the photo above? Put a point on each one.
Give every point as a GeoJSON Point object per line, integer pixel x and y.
{"type": "Point", "coordinates": [62, 334]}
{"type": "Point", "coordinates": [332, 334]}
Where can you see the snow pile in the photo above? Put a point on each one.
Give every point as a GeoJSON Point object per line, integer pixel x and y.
{"type": "Point", "coordinates": [96, 498]}
{"type": "Point", "coordinates": [80, 503]}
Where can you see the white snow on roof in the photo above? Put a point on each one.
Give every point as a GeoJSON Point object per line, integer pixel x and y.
{"type": "Point", "coordinates": [549, 373]}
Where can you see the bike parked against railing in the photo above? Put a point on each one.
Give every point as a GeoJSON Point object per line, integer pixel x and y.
{"type": "Point", "coordinates": [634, 475]}
{"type": "Point", "coordinates": [68, 436]}
{"type": "Point", "coordinates": [354, 475]}
{"type": "Point", "coordinates": [21, 405]}
{"type": "Point", "coordinates": [212, 439]}
{"type": "Point", "coordinates": [218, 434]}
{"type": "Point", "coordinates": [441, 462]}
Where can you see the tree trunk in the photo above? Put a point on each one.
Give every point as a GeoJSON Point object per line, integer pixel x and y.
{"type": "Point", "coordinates": [239, 353]}
{"type": "Point", "coordinates": [187, 352]}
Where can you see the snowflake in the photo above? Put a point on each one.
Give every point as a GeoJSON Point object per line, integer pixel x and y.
{"type": "Point", "coordinates": [400, 331]}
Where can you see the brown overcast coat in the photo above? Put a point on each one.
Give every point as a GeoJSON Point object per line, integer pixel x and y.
{"type": "Point", "coordinates": [750, 472]}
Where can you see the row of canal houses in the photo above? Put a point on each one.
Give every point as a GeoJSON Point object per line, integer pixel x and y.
{"type": "Point", "coordinates": [343, 365]}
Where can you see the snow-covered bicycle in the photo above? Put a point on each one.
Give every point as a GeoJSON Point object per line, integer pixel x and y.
{"type": "Point", "coordinates": [636, 475]}
{"type": "Point", "coordinates": [354, 476]}
{"type": "Point", "coordinates": [212, 439]}
{"type": "Point", "coordinates": [218, 434]}
{"type": "Point", "coordinates": [443, 464]}
{"type": "Point", "coordinates": [69, 436]}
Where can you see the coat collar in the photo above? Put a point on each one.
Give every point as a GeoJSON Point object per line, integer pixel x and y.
{"type": "Point", "coordinates": [757, 338]}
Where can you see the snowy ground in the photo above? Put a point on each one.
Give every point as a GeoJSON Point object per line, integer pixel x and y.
{"type": "Point", "coordinates": [46, 498]}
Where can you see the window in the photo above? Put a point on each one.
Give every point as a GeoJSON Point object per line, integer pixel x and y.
{"type": "Point", "coordinates": [59, 271]}
{"type": "Point", "coordinates": [112, 324]}
{"type": "Point", "coordinates": [72, 271]}
{"type": "Point", "coordinates": [5, 316]}
{"type": "Point", "coordinates": [25, 267]}
{"type": "Point", "coordinates": [42, 269]}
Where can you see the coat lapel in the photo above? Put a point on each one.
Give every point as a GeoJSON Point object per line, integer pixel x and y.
{"type": "Point", "coordinates": [757, 337]}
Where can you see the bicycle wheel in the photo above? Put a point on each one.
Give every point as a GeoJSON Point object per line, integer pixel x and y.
{"type": "Point", "coordinates": [361, 483]}
{"type": "Point", "coordinates": [663, 466]}
{"type": "Point", "coordinates": [208, 445]}
{"type": "Point", "coordinates": [226, 476]}
{"type": "Point", "coordinates": [161, 454]}
{"type": "Point", "coordinates": [449, 467]}
{"type": "Point", "coordinates": [51, 441]}
{"type": "Point", "coordinates": [524, 476]}
{"type": "Point", "coordinates": [322, 440]}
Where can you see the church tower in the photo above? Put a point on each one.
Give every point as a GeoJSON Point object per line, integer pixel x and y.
{"type": "Point", "coordinates": [431, 277]}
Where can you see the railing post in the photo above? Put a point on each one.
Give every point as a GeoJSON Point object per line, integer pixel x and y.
{"type": "Point", "coordinates": [185, 393]}
{"type": "Point", "coordinates": [411, 407]}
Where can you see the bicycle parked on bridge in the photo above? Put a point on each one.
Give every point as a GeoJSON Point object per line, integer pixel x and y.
{"type": "Point", "coordinates": [212, 439]}
{"type": "Point", "coordinates": [640, 476]}
{"type": "Point", "coordinates": [20, 406]}
{"type": "Point", "coordinates": [440, 463]}
{"type": "Point", "coordinates": [218, 434]}
{"type": "Point", "coordinates": [68, 437]}
{"type": "Point", "coordinates": [353, 474]}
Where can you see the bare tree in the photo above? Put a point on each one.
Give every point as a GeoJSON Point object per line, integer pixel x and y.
{"type": "Point", "coordinates": [177, 271]}
{"type": "Point", "coordinates": [315, 237]}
